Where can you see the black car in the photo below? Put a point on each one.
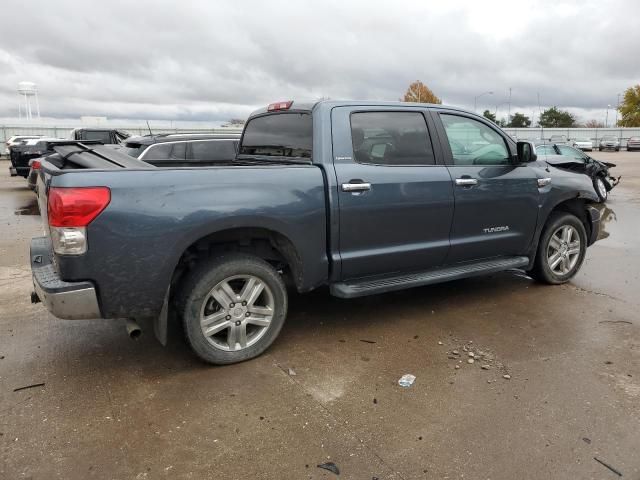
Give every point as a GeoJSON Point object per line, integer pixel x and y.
{"type": "Point", "coordinates": [570, 158]}
{"type": "Point", "coordinates": [180, 149]}
{"type": "Point", "coordinates": [20, 155]}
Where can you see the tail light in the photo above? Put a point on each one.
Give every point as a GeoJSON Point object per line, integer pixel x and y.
{"type": "Point", "coordinates": [36, 165]}
{"type": "Point", "coordinates": [70, 210]}
{"type": "Point", "coordinates": [274, 107]}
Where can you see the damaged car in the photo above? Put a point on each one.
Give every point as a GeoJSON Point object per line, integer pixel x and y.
{"type": "Point", "coordinates": [569, 158]}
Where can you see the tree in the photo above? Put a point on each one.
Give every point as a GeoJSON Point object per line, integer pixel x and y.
{"type": "Point", "coordinates": [594, 124]}
{"type": "Point", "coordinates": [630, 108]}
{"type": "Point", "coordinates": [236, 121]}
{"type": "Point", "coordinates": [420, 93]}
{"type": "Point", "coordinates": [555, 118]}
{"type": "Point", "coordinates": [490, 116]}
{"type": "Point", "coordinates": [519, 120]}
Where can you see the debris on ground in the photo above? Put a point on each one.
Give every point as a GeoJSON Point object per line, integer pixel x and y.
{"type": "Point", "coordinates": [440, 343]}
{"type": "Point", "coordinates": [608, 466]}
{"type": "Point", "coordinates": [406, 380]}
{"type": "Point", "coordinates": [367, 341]}
{"type": "Point", "coordinates": [33, 385]}
{"type": "Point", "coordinates": [485, 367]}
{"type": "Point", "coordinates": [586, 440]}
{"type": "Point", "coordinates": [506, 376]}
{"type": "Point", "coordinates": [475, 354]}
{"type": "Point", "coordinates": [332, 467]}
{"type": "Point", "coordinates": [292, 372]}
{"type": "Point", "coordinates": [471, 360]}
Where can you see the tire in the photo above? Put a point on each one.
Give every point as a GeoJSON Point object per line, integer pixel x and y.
{"type": "Point", "coordinates": [618, 149]}
{"type": "Point", "coordinates": [542, 270]}
{"type": "Point", "coordinates": [599, 149]}
{"type": "Point", "coordinates": [259, 315]}
{"type": "Point", "coordinates": [601, 188]}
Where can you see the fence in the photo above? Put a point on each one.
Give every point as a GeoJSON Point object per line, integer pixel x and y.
{"type": "Point", "coordinates": [7, 131]}
{"type": "Point", "coordinates": [593, 134]}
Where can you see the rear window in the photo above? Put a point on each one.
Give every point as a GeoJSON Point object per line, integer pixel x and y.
{"type": "Point", "coordinates": [102, 136]}
{"type": "Point", "coordinates": [134, 149]}
{"type": "Point", "coordinates": [212, 150]}
{"type": "Point", "coordinates": [279, 135]}
{"type": "Point", "coordinates": [166, 151]}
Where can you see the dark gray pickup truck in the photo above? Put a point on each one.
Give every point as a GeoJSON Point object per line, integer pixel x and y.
{"type": "Point", "coordinates": [363, 197]}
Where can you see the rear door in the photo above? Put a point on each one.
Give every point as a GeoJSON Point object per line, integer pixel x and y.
{"type": "Point", "coordinates": [166, 154]}
{"type": "Point", "coordinates": [496, 199]}
{"type": "Point", "coordinates": [396, 202]}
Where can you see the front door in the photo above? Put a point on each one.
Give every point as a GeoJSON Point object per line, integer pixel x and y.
{"type": "Point", "coordinates": [496, 199]}
{"type": "Point", "coordinates": [396, 203]}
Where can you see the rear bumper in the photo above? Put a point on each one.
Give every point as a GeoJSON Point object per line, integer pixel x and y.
{"type": "Point", "coordinates": [593, 214]}
{"type": "Point", "coordinates": [67, 300]}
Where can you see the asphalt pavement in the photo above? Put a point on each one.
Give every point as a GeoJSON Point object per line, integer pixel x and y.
{"type": "Point", "coordinates": [559, 397]}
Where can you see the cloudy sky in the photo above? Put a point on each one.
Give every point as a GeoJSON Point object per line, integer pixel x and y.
{"type": "Point", "coordinates": [213, 60]}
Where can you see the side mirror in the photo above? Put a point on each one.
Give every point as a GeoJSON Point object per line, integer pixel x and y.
{"type": "Point", "coordinates": [526, 152]}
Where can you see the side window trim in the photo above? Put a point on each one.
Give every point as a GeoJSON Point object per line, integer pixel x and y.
{"type": "Point", "coordinates": [428, 127]}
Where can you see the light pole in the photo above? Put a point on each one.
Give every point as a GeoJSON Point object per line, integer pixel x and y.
{"type": "Point", "coordinates": [606, 118]}
{"type": "Point", "coordinates": [475, 100]}
{"type": "Point", "coordinates": [617, 108]}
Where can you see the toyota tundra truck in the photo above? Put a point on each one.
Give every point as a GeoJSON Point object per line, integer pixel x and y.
{"type": "Point", "coordinates": [362, 197]}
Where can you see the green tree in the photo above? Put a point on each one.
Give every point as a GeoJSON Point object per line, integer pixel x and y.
{"type": "Point", "coordinates": [418, 92]}
{"type": "Point", "coordinates": [555, 118]}
{"type": "Point", "coordinates": [630, 108]}
{"type": "Point", "coordinates": [519, 120]}
{"type": "Point", "coordinates": [490, 116]}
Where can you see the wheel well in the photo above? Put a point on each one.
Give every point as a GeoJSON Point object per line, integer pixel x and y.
{"type": "Point", "coordinates": [269, 245]}
{"type": "Point", "coordinates": [575, 206]}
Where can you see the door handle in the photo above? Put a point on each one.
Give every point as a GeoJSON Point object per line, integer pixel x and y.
{"type": "Point", "coordinates": [356, 187]}
{"type": "Point", "coordinates": [466, 182]}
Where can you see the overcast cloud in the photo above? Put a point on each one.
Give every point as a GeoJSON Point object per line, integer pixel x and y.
{"type": "Point", "coordinates": [216, 60]}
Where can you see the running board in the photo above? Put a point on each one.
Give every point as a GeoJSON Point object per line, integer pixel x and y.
{"type": "Point", "coordinates": [370, 286]}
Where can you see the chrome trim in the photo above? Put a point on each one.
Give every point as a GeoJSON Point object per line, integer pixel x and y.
{"type": "Point", "coordinates": [356, 187]}
{"type": "Point", "coordinates": [79, 304]}
{"type": "Point", "coordinates": [466, 181]}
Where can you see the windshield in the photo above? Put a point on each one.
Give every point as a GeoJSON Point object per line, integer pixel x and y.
{"type": "Point", "coordinates": [278, 135]}
{"type": "Point", "coordinates": [609, 138]}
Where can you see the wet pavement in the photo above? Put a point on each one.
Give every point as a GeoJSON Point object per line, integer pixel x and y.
{"type": "Point", "coordinates": [102, 406]}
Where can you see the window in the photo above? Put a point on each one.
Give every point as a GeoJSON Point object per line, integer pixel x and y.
{"type": "Point", "coordinates": [166, 151]}
{"type": "Point", "coordinates": [571, 152]}
{"type": "Point", "coordinates": [391, 138]}
{"type": "Point", "coordinates": [102, 135]}
{"type": "Point", "coordinates": [212, 150]}
{"type": "Point", "coordinates": [545, 150]}
{"type": "Point", "coordinates": [474, 143]}
{"type": "Point", "coordinates": [278, 135]}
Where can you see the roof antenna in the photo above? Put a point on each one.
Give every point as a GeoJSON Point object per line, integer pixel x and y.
{"type": "Point", "coordinates": [150, 132]}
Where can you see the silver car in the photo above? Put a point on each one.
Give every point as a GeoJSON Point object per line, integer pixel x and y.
{"type": "Point", "coordinates": [583, 143]}
{"type": "Point", "coordinates": [609, 142]}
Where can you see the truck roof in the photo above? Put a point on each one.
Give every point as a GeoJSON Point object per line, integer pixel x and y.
{"type": "Point", "coordinates": [302, 106]}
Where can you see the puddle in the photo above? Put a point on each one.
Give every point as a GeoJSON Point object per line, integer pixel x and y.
{"type": "Point", "coordinates": [30, 209]}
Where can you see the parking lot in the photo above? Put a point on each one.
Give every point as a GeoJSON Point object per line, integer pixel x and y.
{"type": "Point", "coordinates": [102, 406]}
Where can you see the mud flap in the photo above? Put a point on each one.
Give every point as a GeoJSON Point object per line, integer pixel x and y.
{"type": "Point", "coordinates": [160, 324]}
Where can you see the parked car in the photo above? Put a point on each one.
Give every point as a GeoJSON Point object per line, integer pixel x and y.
{"type": "Point", "coordinates": [566, 157]}
{"type": "Point", "coordinates": [584, 144]}
{"type": "Point", "coordinates": [633, 144]}
{"type": "Point", "coordinates": [105, 136]}
{"type": "Point", "coordinates": [17, 140]}
{"type": "Point", "coordinates": [364, 197]}
{"type": "Point", "coordinates": [21, 154]}
{"type": "Point", "coordinates": [558, 139]}
{"type": "Point", "coordinates": [171, 150]}
{"type": "Point", "coordinates": [609, 142]}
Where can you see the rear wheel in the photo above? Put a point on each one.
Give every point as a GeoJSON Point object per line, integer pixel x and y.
{"type": "Point", "coordinates": [561, 250]}
{"type": "Point", "coordinates": [601, 188]}
{"type": "Point", "coordinates": [233, 308]}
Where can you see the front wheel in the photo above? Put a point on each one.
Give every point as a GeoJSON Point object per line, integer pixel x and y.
{"type": "Point", "coordinates": [601, 188]}
{"type": "Point", "coordinates": [233, 308]}
{"type": "Point", "coordinates": [561, 250]}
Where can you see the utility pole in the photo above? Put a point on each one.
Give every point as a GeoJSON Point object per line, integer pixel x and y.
{"type": "Point", "coordinates": [617, 108]}
{"type": "Point", "coordinates": [509, 111]}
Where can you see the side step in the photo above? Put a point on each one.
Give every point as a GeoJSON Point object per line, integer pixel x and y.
{"type": "Point", "coordinates": [373, 285]}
